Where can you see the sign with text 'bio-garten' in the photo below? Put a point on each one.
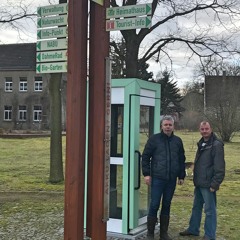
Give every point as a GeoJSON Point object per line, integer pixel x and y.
{"type": "Point", "coordinates": [52, 35]}
{"type": "Point", "coordinates": [121, 18]}
{"type": "Point", "coordinates": [54, 67]}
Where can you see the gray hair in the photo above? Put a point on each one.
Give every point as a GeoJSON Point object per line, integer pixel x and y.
{"type": "Point", "coordinates": [168, 118]}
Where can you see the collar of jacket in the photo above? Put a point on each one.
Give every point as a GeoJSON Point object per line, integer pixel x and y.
{"type": "Point", "coordinates": [165, 135]}
{"type": "Point", "coordinates": [208, 143]}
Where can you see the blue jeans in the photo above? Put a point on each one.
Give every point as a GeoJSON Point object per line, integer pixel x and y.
{"type": "Point", "coordinates": [161, 189]}
{"type": "Point", "coordinates": [203, 196]}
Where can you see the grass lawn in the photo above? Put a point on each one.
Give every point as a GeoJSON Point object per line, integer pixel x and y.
{"type": "Point", "coordinates": [25, 190]}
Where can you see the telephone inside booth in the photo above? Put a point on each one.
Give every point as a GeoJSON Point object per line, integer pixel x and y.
{"type": "Point", "coordinates": [135, 115]}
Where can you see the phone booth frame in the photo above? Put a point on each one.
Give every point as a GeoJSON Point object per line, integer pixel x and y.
{"type": "Point", "coordinates": [131, 93]}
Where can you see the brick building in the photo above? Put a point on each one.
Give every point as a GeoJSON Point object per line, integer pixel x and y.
{"type": "Point", "coordinates": [221, 90]}
{"type": "Point", "coordinates": [24, 98]}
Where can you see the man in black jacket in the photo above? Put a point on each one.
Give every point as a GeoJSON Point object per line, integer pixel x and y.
{"type": "Point", "coordinates": [163, 161]}
{"type": "Point", "coordinates": [209, 172]}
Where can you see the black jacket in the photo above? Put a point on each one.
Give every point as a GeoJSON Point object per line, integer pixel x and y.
{"type": "Point", "coordinates": [163, 157]}
{"type": "Point", "coordinates": [209, 166]}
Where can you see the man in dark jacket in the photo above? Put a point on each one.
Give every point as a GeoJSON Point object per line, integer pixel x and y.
{"type": "Point", "coordinates": [209, 172]}
{"type": "Point", "coordinates": [163, 161]}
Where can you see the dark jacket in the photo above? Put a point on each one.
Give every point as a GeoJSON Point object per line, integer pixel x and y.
{"type": "Point", "coordinates": [209, 166]}
{"type": "Point", "coordinates": [163, 157]}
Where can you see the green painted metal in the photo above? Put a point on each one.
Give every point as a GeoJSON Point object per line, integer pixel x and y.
{"type": "Point", "coordinates": [130, 201]}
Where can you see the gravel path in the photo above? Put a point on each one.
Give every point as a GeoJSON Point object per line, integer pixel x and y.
{"type": "Point", "coordinates": [23, 216]}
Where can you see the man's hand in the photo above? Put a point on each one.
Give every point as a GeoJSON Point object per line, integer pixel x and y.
{"type": "Point", "coordinates": [180, 182]}
{"type": "Point", "coordinates": [147, 180]}
{"type": "Point", "coordinates": [212, 189]}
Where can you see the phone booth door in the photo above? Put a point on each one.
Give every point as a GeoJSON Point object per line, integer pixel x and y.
{"type": "Point", "coordinates": [144, 121]}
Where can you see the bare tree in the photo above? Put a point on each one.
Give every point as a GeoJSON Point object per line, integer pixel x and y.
{"type": "Point", "coordinates": [205, 28]}
{"type": "Point", "coordinates": [13, 15]}
{"type": "Point", "coordinates": [56, 163]}
{"type": "Point", "coordinates": [217, 67]}
{"type": "Point", "coordinates": [18, 16]}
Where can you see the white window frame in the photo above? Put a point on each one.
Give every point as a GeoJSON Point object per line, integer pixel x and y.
{"type": "Point", "coordinates": [38, 84]}
{"type": "Point", "coordinates": [23, 84]}
{"type": "Point", "coordinates": [7, 113]}
{"type": "Point", "coordinates": [22, 113]}
{"type": "Point", "coordinates": [37, 113]}
{"type": "Point", "coordinates": [8, 84]}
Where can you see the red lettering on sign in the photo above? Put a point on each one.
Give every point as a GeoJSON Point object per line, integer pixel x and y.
{"type": "Point", "coordinates": [110, 25]}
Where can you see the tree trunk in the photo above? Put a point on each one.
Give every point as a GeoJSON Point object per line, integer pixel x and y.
{"type": "Point", "coordinates": [132, 47]}
{"type": "Point", "coordinates": [56, 164]}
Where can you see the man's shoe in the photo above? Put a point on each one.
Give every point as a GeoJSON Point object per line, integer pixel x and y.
{"type": "Point", "coordinates": [187, 233]}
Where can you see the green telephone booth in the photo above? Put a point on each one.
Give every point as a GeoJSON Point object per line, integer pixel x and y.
{"type": "Point", "coordinates": [135, 115]}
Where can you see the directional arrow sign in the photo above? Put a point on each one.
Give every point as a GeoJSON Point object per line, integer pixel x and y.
{"type": "Point", "coordinates": [52, 10]}
{"type": "Point", "coordinates": [52, 21]}
{"type": "Point", "coordinates": [52, 44]}
{"type": "Point", "coordinates": [51, 67]}
{"type": "Point", "coordinates": [52, 33]}
{"type": "Point", "coordinates": [52, 56]}
{"type": "Point", "coordinates": [129, 11]}
{"type": "Point", "coordinates": [128, 23]}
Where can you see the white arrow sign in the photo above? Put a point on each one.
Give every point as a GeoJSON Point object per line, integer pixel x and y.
{"type": "Point", "coordinates": [52, 33]}
{"type": "Point", "coordinates": [55, 44]}
{"type": "Point", "coordinates": [52, 21]}
{"type": "Point", "coordinates": [52, 10]}
{"type": "Point", "coordinates": [54, 67]}
{"type": "Point", "coordinates": [52, 56]}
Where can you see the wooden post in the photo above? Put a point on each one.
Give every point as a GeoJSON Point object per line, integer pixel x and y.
{"type": "Point", "coordinates": [99, 50]}
{"type": "Point", "coordinates": [76, 120]}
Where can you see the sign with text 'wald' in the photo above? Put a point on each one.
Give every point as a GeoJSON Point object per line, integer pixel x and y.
{"type": "Point", "coordinates": [52, 35]}
{"type": "Point", "coordinates": [129, 17]}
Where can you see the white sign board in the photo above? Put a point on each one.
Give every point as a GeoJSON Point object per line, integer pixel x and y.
{"type": "Point", "coordinates": [52, 10]}
{"type": "Point", "coordinates": [52, 21]}
{"type": "Point", "coordinates": [54, 67]}
{"type": "Point", "coordinates": [52, 44]}
{"type": "Point", "coordinates": [128, 23]}
{"type": "Point", "coordinates": [52, 56]}
{"type": "Point", "coordinates": [129, 11]}
{"type": "Point", "coordinates": [52, 33]}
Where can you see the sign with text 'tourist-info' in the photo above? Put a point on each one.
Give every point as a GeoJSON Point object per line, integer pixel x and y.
{"type": "Point", "coordinates": [52, 35]}
{"type": "Point", "coordinates": [129, 17]}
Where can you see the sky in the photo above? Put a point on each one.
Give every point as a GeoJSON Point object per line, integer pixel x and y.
{"type": "Point", "coordinates": [182, 68]}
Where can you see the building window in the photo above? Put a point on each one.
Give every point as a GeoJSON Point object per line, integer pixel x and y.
{"type": "Point", "coordinates": [23, 84]}
{"type": "Point", "coordinates": [22, 113]}
{"type": "Point", "coordinates": [37, 113]}
{"type": "Point", "coordinates": [8, 84]}
{"type": "Point", "coordinates": [7, 113]}
{"type": "Point", "coordinates": [38, 84]}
